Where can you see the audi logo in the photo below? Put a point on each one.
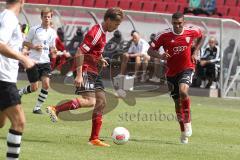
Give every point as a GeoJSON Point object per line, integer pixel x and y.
{"type": "Point", "coordinates": [179, 48]}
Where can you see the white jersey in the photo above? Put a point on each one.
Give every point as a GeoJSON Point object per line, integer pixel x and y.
{"type": "Point", "coordinates": [141, 47]}
{"type": "Point", "coordinates": [10, 34]}
{"type": "Point", "coordinates": [40, 36]}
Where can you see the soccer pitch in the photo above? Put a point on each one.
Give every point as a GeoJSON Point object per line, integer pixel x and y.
{"type": "Point", "coordinates": [153, 129]}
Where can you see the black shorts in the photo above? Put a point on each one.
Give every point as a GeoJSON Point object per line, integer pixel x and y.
{"type": "Point", "coordinates": [8, 95]}
{"type": "Point", "coordinates": [39, 70]}
{"type": "Point", "coordinates": [91, 83]}
{"type": "Point", "coordinates": [183, 77]}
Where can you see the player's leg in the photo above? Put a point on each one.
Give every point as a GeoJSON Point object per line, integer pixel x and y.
{"type": "Point", "coordinates": [125, 58]}
{"type": "Point", "coordinates": [10, 108]}
{"type": "Point", "coordinates": [3, 119]}
{"type": "Point", "coordinates": [42, 97]}
{"type": "Point", "coordinates": [17, 119]}
{"type": "Point", "coordinates": [87, 98]}
{"type": "Point", "coordinates": [146, 59]}
{"type": "Point", "coordinates": [137, 64]}
{"type": "Point", "coordinates": [33, 77]}
{"type": "Point", "coordinates": [185, 81]}
{"type": "Point", "coordinates": [98, 113]}
{"type": "Point", "coordinates": [174, 89]}
{"type": "Point", "coordinates": [44, 74]}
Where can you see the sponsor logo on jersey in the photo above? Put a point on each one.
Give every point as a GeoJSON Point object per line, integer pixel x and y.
{"type": "Point", "coordinates": [179, 49]}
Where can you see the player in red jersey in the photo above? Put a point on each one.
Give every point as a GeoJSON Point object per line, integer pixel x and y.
{"type": "Point", "coordinates": [177, 42]}
{"type": "Point", "coordinates": [88, 83]}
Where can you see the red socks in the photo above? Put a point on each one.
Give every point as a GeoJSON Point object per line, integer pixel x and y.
{"type": "Point", "coordinates": [183, 112]}
{"type": "Point", "coordinates": [96, 125]}
{"type": "Point", "coordinates": [185, 105]}
{"type": "Point", "coordinates": [70, 105]}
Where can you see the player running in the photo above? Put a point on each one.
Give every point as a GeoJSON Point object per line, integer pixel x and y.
{"type": "Point", "coordinates": [177, 43]}
{"type": "Point", "coordinates": [10, 103]}
{"type": "Point", "coordinates": [40, 41]}
{"type": "Point", "coordinates": [88, 83]}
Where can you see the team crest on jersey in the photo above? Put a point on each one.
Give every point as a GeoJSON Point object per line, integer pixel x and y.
{"type": "Point", "coordinates": [187, 39]}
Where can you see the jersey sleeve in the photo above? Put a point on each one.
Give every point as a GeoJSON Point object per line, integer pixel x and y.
{"type": "Point", "coordinates": [90, 40]}
{"type": "Point", "coordinates": [197, 33]}
{"type": "Point", "coordinates": [30, 35]}
{"type": "Point", "coordinates": [157, 42]}
{"type": "Point", "coordinates": [6, 29]}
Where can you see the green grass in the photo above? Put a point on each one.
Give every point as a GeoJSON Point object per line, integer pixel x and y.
{"type": "Point", "coordinates": [215, 122]}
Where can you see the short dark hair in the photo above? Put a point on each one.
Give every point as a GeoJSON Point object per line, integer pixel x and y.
{"type": "Point", "coordinates": [134, 31]}
{"type": "Point", "coordinates": [114, 14]}
{"type": "Point", "coordinates": [11, 1]}
{"type": "Point", "coordinates": [177, 15]}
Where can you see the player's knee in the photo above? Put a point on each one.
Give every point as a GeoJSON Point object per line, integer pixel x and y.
{"type": "Point", "coordinates": [34, 87]}
{"type": "Point", "coordinates": [125, 57]}
{"type": "Point", "coordinates": [183, 94]}
{"type": "Point", "coordinates": [91, 102]}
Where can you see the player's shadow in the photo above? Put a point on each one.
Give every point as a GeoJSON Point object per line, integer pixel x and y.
{"type": "Point", "coordinates": [31, 140]}
{"type": "Point", "coordinates": [157, 141]}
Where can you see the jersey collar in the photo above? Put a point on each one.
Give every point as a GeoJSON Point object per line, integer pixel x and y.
{"type": "Point", "coordinates": [176, 33]}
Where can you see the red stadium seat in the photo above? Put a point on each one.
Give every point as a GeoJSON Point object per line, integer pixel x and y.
{"type": "Point", "coordinates": [54, 2]}
{"type": "Point", "coordinates": [38, 1]}
{"type": "Point", "coordinates": [137, 6]}
{"type": "Point", "coordinates": [182, 6]}
{"type": "Point", "coordinates": [112, 3]}
{"type": "Point", "coordinates": [77, 2]}
{"type": "Point", "coordinates": [66, 2]}
{"type": "Point", "coordinates": [161, 7]}
{"type": "Point", "coordinates": [172, 8]}
{"type": "Point", "coordinates": [88, 3]}
{"type": "Point", "coordinates": [125, 4]}
{"type": "Point", "coordinates": [148, 6]}
{"type": "Point", "coordinates": [219, 3]}
{"type": "Point", "coordinates": [101, 3]}
{"type": "Point", "coordinates": [223, 10]}
{"type": "Point", "coordinates": [231, 2]}
{"type": "Point", "coordinates": [233, 12]}
{"type": "Point", "coordinates": [182, 1]}
{"type": "Point", "coordinates": [169, 1]}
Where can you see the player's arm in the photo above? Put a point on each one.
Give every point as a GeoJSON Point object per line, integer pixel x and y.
{"type": "Point", "coordinates": [10, 53]}
{"type": "Point", "coordinates": [198, 46]}
{"type": "Point", "coordinates": [79, 57]}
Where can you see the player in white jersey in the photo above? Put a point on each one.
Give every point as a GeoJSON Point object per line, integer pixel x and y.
{"type": "Point", "coordinates": [40, 41]}
{"type": "Point", "coordinates": [10, 103]}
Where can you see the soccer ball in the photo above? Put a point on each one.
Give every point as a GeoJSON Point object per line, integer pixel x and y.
{"type": "Point", "coordinates": [120, 135]}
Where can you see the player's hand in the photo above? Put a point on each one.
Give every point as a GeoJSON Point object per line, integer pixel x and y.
{"type": "Point", "coordinates": [195, 58]}
{"type": "Point", "coordinates": [27, 62]}
{"type": "Point", "coordinates": [165, 56]}
{"type": "Point", "coordinates": [78, 81]}
{"type": "Point", "coordinates": [103, 62]}
{"type": "Point", "coordinates": [38, 48]}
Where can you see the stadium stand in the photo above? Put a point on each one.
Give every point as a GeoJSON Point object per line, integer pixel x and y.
{"type": "Point", "coordinates": [228, 8]}
{"type": "Point", "coordinates": [101, 3]}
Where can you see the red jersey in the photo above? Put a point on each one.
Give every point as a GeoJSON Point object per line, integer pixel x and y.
{"type": "Point", "coordinates": [178, 47]}
{"type": "Point", "coordinates": [92, 48]}
{"type": "Point", "coordinates": [59, 44]}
